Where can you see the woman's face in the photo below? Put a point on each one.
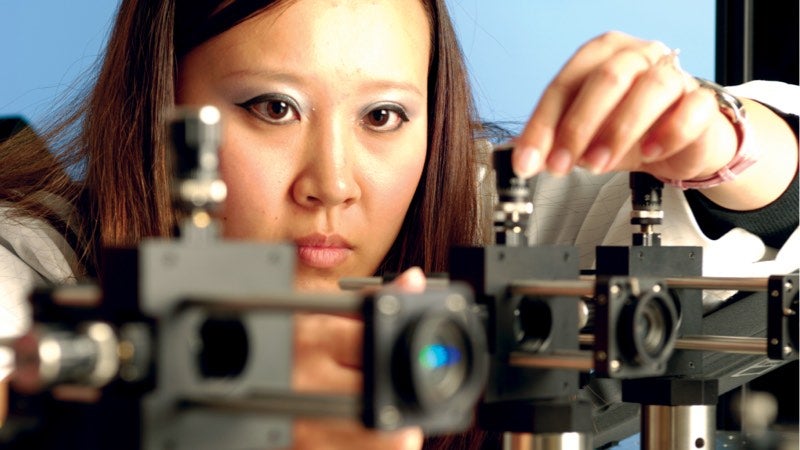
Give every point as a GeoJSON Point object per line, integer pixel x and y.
{"type": "Point", "coordinates": [324, 107]}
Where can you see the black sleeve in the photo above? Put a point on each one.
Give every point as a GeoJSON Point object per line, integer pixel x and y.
{"type": "Point", "coordinates": [772, 223]}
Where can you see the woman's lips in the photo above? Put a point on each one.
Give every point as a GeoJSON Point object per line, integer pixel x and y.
{"type": "Point", "coordinates": [322, 252]}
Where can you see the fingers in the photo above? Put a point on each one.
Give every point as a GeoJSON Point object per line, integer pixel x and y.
{"type": "Point", "coordinates": [412, 280]}
{"type": "Point", "coordinates": [683, 125]}
{"type": "Point", "coordinates": [597, 98]}
{"type": "Point", "coordinates": [534, 147]}
{"type": "Point", "coordinates": [620, 103]}
{"type": "Point", "coordinates": [692, 141]}
{"type": "Point", "coordinates": [338, 434]}
{"type": "Point", "coordinates": [327, 353]}
{"type": "Point", "coordinates": [647, 99]}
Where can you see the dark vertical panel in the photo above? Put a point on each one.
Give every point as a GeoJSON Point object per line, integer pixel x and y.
{"type": "Point", "coordinates": [757, 41]}
{"type": "Point", "coordinates": [775, 40]}
{"type": "Point", "coordinates": [734, 41]}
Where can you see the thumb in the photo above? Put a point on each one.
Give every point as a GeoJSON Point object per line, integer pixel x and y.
{"type": "Point", "coordinates": [412, 280]}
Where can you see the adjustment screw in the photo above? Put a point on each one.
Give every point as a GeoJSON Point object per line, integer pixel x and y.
{"type": "Point", "coordinates": [389, 416]}
{"type": "Point", "coordinates": [455, 302]}
{"type": "Point", "coordinates": [389, 305]}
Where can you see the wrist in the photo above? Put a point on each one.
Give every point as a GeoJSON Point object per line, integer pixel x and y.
{"type": "Point", "coordinates": [765, 181]}
{"type": "Point", "coordinates": [744, 156]}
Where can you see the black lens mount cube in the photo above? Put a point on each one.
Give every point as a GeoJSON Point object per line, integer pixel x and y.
{"type": "Point", "coordinates": [490, 271]}
{"type": "Point", "coordinates": [636, 324]}
{"type": "Point", "coordinates": [425, 359]}
{"type": "Point", "coordinates": [664, 262]}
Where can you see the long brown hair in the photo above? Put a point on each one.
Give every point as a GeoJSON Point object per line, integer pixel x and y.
{"type": "Point", "coordinates": [117, 137]}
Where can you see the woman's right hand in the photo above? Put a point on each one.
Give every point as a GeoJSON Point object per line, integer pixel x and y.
{"type": "Point", "coordinates": [624, 104]}
{"type": "Point", "coordinates": [327, 359]}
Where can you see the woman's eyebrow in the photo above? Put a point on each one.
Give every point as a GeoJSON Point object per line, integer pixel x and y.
{"type": "Point", "coordinates": [376, 84]}
{"type": "Point", "coordinates": [275, 75]}
{"type": "Point", "coordinates": [381, 84]}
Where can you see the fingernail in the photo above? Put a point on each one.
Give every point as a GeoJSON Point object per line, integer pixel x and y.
{"type": "Point", "coordinates": [414, 280]}
{"type": "Point", "coordinates": [416, 274]}
{"type": "Point", "coordinates": [651, 151]}
{"type": "Point", "coordinates": [560, 161]}
{"type": "Point", "coordinates": [596, 159]}
{"type": "Point", "coordinates": [530, 162]}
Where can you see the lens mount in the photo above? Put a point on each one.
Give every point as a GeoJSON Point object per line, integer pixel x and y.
{"type": "Point", "coordinates": [434, 361]}
{"type": "Point", "coordinates": [647, 328]}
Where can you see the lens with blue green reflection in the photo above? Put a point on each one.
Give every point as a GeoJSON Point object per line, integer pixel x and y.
{"type": "Point", "coordinates": [435, 356]}
{"type": "Point", "coordinates": [441, 351]}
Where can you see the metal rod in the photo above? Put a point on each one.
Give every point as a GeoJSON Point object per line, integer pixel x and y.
{"type": "Point", "coordinates": [291, 404]}
{"type": "Point", "coordinates": [358, 283]}
{"type": "Point", "coordinates": [721, 344]}
{"type": "Point", "coordinates": [578, 360]}
{"type": "Point", "coordinates": [570, 288]}
{"type": "Point", "coordinates": [345, 302]}
{"type": "Point", "coordinates": [585, 285]}
{"type": "Point", "coordinates": [750, 284]}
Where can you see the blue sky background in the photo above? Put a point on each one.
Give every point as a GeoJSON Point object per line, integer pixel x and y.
{"type": "Point", "coordinates": [514, 47]}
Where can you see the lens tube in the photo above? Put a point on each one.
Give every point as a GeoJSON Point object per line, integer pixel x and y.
{"type": "Point", "coordinates": [646, 329]}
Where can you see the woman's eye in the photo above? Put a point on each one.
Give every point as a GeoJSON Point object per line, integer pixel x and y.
{"type": "Point", "coordinates": [273, 109]}
{"type": "Point", "coordinates": [385, 118]}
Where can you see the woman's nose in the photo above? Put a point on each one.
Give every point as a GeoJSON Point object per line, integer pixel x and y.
{"type": "Point", "coordinates": [328, 177]}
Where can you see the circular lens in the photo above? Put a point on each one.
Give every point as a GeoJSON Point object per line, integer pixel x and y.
{"type": "Point", "coordinates": [441, 364]}
{"type": "Point", "coordinates": [646, 330]}
{"type": "Point", "coordinates": [650, 327]}
{"type": "Point", "coordinates": [439, 355]}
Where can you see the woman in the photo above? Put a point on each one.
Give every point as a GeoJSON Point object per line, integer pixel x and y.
{"type": "Point", "coordinates": [349, 131]}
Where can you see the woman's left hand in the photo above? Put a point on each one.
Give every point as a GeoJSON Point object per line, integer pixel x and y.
{"type": "Point", "coordinates": [621, 103]}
